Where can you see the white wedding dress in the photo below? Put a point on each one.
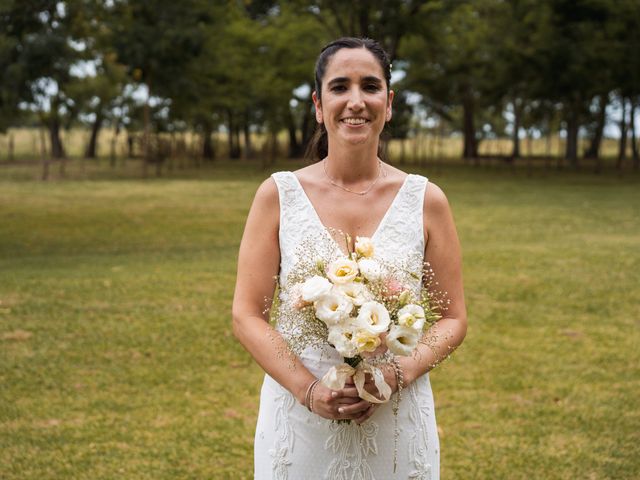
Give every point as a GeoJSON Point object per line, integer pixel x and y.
{"type": "Point", "coordinates": [294, 444]}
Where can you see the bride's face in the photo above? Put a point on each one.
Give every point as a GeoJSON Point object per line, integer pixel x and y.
{"type": "Point", "coordinates": [354, 103]}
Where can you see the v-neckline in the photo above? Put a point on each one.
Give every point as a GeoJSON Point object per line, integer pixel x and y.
{"type": "Point", "coordinates": [327, 230]}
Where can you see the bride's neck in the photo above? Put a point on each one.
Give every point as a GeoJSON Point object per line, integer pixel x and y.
{"type": "Point", "coordinates": [352, 165]}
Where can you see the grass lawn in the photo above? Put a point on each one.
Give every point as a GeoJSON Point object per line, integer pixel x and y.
{"type": "Point", "coordinates": [117, 358]}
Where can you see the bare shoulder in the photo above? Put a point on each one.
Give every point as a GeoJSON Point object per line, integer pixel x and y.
{"type": "Point", "coordinates": [435, 201]}
{"type": "Point", "coordinates": [265, 209]}
{"type": "Point", "coordinates": [439, 226]}
{"type": "Point", "coordinates": [267, 194]}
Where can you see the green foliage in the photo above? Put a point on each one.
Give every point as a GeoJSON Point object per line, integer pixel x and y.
{"type": "Point", "coordinates": [551, 63]}
{"type": "Point", "coordinates": [387, 21]}
{"type": "Point", "coordinates": [156, 39]}
{"type": "Point", "coordinates": [117, 358]}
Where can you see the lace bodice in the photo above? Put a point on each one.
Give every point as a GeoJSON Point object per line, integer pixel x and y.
{"type": "Point", "coordinates": [398, 239]}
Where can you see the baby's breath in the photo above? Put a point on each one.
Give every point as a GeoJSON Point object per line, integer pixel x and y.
{"type": "Point", "coordinates": [400, 284]}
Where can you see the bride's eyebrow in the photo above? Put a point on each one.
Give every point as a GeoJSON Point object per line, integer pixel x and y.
{"type": "Point", "coordinates": [337, 80]}
{"type": "Point", "coordinates": [371, 79]}
{"type": "Point", "coordinates": [341, 80]}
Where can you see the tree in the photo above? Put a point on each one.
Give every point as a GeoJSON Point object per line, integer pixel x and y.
{"type": "Point", "coordinates": [46, 40]}
{"type": "Point", "coordinates": [450, 63]}
{"type": "Point", "coordinates": [574, 71]}
{"type": "Point", "coordinates": [96, 96]}
{"type": "Point", "coordinates": [156, 40]}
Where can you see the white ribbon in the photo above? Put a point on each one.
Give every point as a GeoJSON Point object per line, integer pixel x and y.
{"type": "Point", "coordinates": [337, 376]}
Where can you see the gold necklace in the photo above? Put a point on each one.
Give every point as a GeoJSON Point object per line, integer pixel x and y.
{"type": "Point", "coordinates": [346, 189]}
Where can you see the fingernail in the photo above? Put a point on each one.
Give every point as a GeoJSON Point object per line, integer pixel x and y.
{"type": "Point", "coordinates": [334, 394]}
{"type": "Point", "coordinates": [341, 410]}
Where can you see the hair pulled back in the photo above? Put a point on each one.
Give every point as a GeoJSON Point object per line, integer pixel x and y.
{"type": "Point", "coordinates": [318, 145]}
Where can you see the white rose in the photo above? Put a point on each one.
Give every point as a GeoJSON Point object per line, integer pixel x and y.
{"type": "Point", "coordinates": [314, 288]}
{"type": "Point", "coordinates": [364, 247]}
{"type": "Point", "coordinates": [402, 340]}
{"type": "Point", "coordinates": [356, 292]}
{"type": "Point", "coordinates": [374, 317]}
{"type": "Point", "coordinates": [370, 269]}
{"type": "Point", "coordinates": [342, 271]}
{"type": "Point", "coordinates": [411, 316]}
{"type": "Point", "coordinates": [341, 338]}
{"type": "Point", "coordinates": [332, 308]}
{"type": "Point", "coordinates": [365, 340]}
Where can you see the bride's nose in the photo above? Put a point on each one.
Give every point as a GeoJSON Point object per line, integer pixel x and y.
{"type": "Point", "coordinates": [356, 100]}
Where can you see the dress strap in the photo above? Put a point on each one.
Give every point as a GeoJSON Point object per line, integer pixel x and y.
{"type": "Point", "coordinates": [415, 193]}
{"type": "Point", "coordinates": [404, 229]}
{"type": "Point", "coordinates": [297, 222]}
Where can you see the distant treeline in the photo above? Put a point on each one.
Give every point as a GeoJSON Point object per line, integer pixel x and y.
{"type": "Point", "coordinates": [483, 68]}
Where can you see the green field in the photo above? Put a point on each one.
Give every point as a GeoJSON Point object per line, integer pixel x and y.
{"type": "Point", "coordinates": [117, 358]}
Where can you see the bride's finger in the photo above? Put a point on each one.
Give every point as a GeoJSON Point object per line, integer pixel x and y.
{"type": "Point", "coordinates": [366, 414]}
{"type": "Point", "coordinates": [355, 410]}
{"type": "Point", "coordinates": [347, 392]}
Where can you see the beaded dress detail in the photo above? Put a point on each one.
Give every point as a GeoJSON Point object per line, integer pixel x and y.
{"type": "Point", "coordinates": [292, 443]}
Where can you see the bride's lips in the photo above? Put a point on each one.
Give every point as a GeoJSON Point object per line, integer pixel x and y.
{"type": "Point", "coordinates": [354, 121]}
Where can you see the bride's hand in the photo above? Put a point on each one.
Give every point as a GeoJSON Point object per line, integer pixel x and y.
{"type": "Point", "coordinates": [389, 377]}
{"type": "Point", "coordinates": [344, 404]}
{"type": "Point", "coordinates": [370, 386]}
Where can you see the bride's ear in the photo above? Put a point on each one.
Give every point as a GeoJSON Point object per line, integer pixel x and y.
{"type": "Point", "coordinates": [318, 105]}
{"type": "Point", "coordinates": [389, 113]}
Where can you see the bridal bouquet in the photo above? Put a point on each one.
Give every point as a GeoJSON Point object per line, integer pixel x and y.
{"type": "Point", "coordinates": [361, 307]}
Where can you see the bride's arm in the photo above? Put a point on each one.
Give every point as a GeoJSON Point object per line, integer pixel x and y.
{"type": "Point", "coordinates": [443, 253]}
{"type": "Point", "coordinates": [258, 264]}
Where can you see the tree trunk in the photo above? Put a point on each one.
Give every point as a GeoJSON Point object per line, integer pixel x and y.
{"type": "Point", "coordinates": [230, 132]}
{"type": "Point", "coordinates": [246, 133]}
{"type": "Point", "coordinates": [236, 139]}
{"type": "Point", "coordinates": [294, 145]}
{"type": "Point", "coordinates": [208, 152]}
{"type": "Point", "coordinates": [308, 125]}
{"type": "Point", "coordinates": [195, 149]}
{"type": "Point", "coordinates": [273, 147]}
{"type": "Point", "coordinates": [234, 146]}
{"type": "Point", "coordinates": [571, 151]}
{"type": "Point", "coordinates": [10, 152]}
{"type": "Point", "coordinates": [622, 152]}
{"type": "Point", "coordinates": [516, 130]}
{"type": "Point", "coordinates": [93, 139]}
{"type": "Point", "coordinates": [44, 156]}
{"type": "Point", "coordinates": [146, 139]}
{"type": "Point", "coordinates": [469, 130]}
{"type": "Point", "coordinates": [147, 130]}
{"type": "Point", "coordinates": [57, 149]}
{"type": "Point", "coordinates": [114, 141]}
{"type": "Point", "coordinates": [594, 147]}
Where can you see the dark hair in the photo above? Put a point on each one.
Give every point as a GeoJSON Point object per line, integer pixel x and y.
{"type": "Point", "coordinates": [318, 145]}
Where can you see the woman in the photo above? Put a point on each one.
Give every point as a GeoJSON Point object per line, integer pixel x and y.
{"type": "Point", "coordinates": [349, 190]}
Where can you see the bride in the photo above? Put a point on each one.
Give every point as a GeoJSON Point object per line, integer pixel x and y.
{"type": "Point", "coordinates": [409, 221]}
